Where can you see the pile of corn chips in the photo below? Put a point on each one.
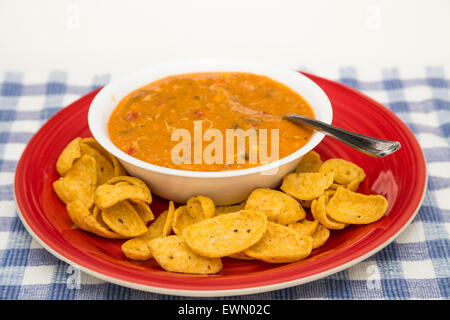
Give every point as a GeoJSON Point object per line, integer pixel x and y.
{"type": "Point", "coordinates": [270, 225]}
{"type": "Point", "coordinates": [99, 196]}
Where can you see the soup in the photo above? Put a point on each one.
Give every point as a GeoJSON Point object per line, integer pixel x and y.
{"type": "Point", "coordinates": [145, 122]}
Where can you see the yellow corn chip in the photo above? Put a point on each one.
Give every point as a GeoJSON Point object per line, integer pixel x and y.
{"type": "Point", "coordinates": [306, 186]}
{"type": "Point", "coordinates": [351, 207]}
{"type": "Point", "coordinates": [105, 170]}
{"type": "Point", "coordinates": [305, 227]}
{"type": "Point", "coordinates": [226, 234]}
{"type": "Point", "coordinates": [169, 221]}
{"type": "Point", "coordinates": [281, 244]}
{"type": "Point", "coordinates": [70, 153]}
{"type": "Point", "coordinates": [229, 209]}
{"type": "Point", "coordinates": [124, 220]}
{"type": "Point", "coordinates": [79, 182]}
{"type": "Point", "coordinates": [108, 195]}
{"type": "Point", "coordinates": [138, 248]}
{"type": "Point", "coordinates": [94, 144]}
{"type": "Point", "coordinates": [354, 185]}
{"type": "Point", "coordinates": [174, 255]}
{"type": "Point", "coordinates": [98, 216]}
{"type": "Point", "coordinates": [318, 210]}
{"type": "Point", "coordinates": [122, 180]}
{"type": "Point", "coordinates": [345, 172]}
{"type": "Point", "coordinates": [143, 210]}
{"type": "Point", "coordinates": [88, 221]}
{"type": "Point", "coordinates": [310, 163]}
{"type": "Point", "coordinates": [200, 207]}
{"type": "Point", "coordinates": [334, 186]}
{"type": "Point", "coordinates": [276, 205]}
{"type": "Point", "coordinates": [128, 180]}
{"type": "Point", "coordinates": [329, 193]}
{"type": "Point", "coordinates": [305, 203]}
{"type": "Point", "coordinates": [181, 220]}
{"type": "Point", "coordinates": [320, 236]}
{"type": "Point", "coordinates": [118, 168]}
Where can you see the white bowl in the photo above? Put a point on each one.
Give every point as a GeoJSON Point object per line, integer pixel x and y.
{"type": "Point", "coordinates": [223, 187]}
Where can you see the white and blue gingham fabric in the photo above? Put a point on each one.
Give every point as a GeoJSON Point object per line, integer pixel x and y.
{"type": "Point", "coordinates": [414, 266]}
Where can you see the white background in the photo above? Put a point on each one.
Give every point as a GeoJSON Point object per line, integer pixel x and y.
{"type": "Point", "coordinates": [121, 36]}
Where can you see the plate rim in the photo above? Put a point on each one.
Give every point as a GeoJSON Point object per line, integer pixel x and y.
{"type": "Point", "coordinates": [238, 291]}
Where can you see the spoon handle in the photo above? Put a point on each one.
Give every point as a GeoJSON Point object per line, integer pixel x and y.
{"type": "Point", "coordinates": [368, 145]}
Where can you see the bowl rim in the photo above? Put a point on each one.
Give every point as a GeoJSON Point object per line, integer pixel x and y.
{"type": "Point", "coordinates": [315, 139]}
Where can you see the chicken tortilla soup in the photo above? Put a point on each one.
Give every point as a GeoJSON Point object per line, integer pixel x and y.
{"type": "Point", "coordinates": [210, 121]}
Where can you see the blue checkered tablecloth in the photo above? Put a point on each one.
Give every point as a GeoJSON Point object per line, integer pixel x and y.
{"type": "Point", "coordinates": [414, 266]}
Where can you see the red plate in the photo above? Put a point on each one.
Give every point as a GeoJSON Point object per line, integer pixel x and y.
{"type": "Point", "coordinates": [401, 178]}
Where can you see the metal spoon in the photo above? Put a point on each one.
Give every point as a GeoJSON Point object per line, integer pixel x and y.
{"type": "Point", "coordinates": [368, 145]}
